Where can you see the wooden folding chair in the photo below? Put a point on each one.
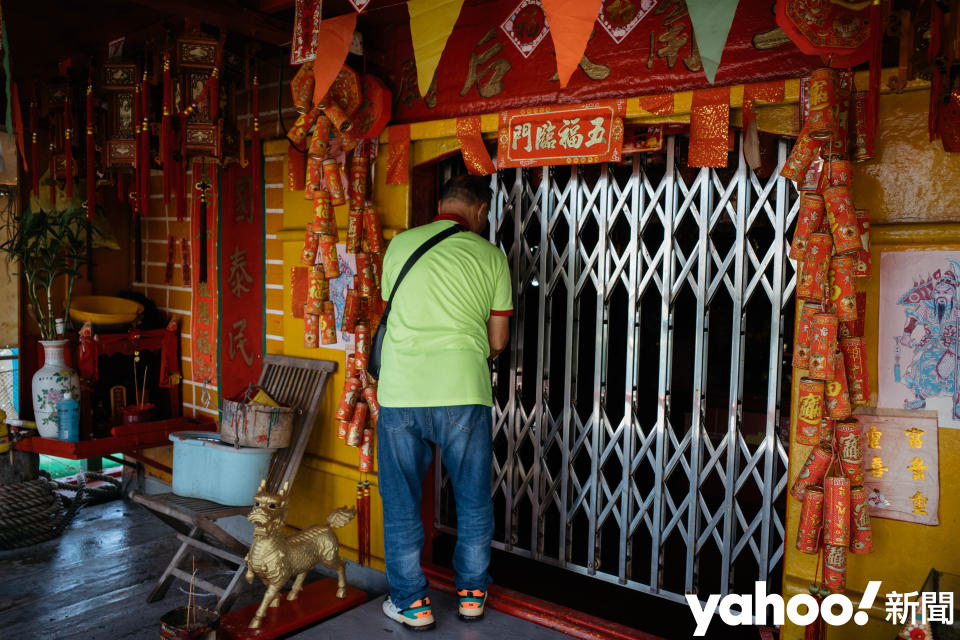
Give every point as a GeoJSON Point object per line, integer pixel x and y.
{"type": "Point", "coordinates": [293, 382]}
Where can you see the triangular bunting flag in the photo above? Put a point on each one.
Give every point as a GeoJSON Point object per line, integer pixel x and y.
{"type": "Point", "coordinates": [571, 23]}
{"type": "Point", "coordinates": [431, 23]}
{"type": "Point", "coordinates": [333, 43]}
{"type": "Point", "coordinates": [711, 20]}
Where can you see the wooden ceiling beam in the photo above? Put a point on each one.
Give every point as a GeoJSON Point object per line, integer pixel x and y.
{"type": "Point", "coordinates": [247, 22]}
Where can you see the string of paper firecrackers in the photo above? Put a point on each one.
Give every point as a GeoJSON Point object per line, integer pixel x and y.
{"type": "Point", "coordinates": [831, 247]}
{"type": "Point", "coordinates": [322, 180]}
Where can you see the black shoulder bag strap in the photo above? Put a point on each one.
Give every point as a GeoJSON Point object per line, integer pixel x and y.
{"type": "Point", "coordinates": [376, 346]}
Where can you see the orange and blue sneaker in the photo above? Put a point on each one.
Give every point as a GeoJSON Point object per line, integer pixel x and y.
{"type": "Point", "coordinates": [417, 617]}
{"type": "Point", "coordinates": [471, 604]}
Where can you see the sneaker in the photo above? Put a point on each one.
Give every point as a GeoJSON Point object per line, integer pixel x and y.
{"type": "Point", "coordinates": [471, 604]}
{"type": "Point", "coordinates": [417, 616]}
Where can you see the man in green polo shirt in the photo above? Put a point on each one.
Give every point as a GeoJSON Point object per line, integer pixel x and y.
{"type": "Point", "coordinates": [449, 316]}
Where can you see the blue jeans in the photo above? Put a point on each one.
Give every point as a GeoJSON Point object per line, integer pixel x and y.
{"type": "Point", "coordinates": [403, 454]}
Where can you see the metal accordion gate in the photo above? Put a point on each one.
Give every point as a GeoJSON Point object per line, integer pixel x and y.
{"type": "Point", "coordinates": [636, 417]}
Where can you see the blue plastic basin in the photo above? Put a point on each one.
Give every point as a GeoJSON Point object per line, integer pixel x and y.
{"type": "Point", "coordinates": [203, 467]}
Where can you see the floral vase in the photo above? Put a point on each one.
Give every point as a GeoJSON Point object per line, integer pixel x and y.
{"type": "Point", "coordinates": [49, 384]}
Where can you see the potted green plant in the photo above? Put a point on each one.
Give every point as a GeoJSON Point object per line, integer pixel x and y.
{"type": "Point", "coordinates": [47, 246]}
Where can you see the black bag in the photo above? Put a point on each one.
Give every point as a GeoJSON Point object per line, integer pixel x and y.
{"type": "Point", "coordinates": [376, 344]}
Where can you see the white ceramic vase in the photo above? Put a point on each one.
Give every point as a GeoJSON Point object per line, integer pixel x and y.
{"type": "Point", "coordinates": [50, 382]}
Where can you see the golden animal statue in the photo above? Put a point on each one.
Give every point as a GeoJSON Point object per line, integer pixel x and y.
{"type": "Point", "coordinates": [276, 558]}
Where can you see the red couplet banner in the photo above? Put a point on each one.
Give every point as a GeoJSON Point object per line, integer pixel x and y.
{"type": "Point", "coordinates": [574, 134]}
{"type": "Point", "coordinates": [241, 283]}
{"type": "Point", "coordinates": [500, 56]}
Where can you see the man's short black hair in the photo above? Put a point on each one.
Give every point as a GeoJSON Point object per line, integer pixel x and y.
{"type": "Point", "coordinates": [471, 190]}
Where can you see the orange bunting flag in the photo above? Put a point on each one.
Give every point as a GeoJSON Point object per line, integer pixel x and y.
{"type": "Point", "coordinates": [571, 23]}
{"type": "Point", "coordinates": [709, 127]}
{"type": "Point", "coordinates": [475, 154]}
{"type": "Point", "coordinates": [398, 156]}
{"type": "Point", "coordinates": [333, 43]}
{"type": "Point", "coordinates": [660, 105]}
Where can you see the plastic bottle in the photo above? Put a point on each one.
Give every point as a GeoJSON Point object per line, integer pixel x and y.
{"type": "Point", "coordinates": [68, 419]}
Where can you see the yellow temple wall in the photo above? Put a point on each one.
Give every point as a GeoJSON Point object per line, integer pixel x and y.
{"type": "Point", "coordinates": [912, 189]}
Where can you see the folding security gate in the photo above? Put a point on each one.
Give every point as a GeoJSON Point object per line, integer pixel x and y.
{"type": "Point", "coordinates": [636, 417]}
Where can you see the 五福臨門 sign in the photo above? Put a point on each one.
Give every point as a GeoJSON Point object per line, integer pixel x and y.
{"type": "Point", "coordinates": [568, 134]}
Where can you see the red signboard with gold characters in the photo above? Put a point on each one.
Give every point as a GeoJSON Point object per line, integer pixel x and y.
{"type": "Point", "coordinates": [575, 134]}
{"type": "Point", "coordinates": [501, 56]}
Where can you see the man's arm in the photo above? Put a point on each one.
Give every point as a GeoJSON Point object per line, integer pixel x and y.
{"type": "Point", "coordinates": [498, 333]}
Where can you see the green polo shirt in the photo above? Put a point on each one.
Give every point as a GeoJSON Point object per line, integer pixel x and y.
{"type": "Point", "coordinates": [436, 348]}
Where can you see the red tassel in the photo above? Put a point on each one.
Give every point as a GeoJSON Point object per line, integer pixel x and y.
{"type": "Point", "coordinates": [366, 522]}
{"type": "Point", "coordinates": [166, 143]}
{"type": "Point", "coordinates": [34, 149]}
{"type": "Point", "coordinates": [144, 190]}
{"type": "Point", "coordinates": [360, 557]}
{"type": "Point", "coordinates": [68, 146]}
{"type": "Point", "coordinates": [91, 152]}
{"type": "Point", "coordinates": [256, 159]}
{"type": "Point", "coordinates": [933, 53]}
{"type": "Point", "coordinates": [53, 172]}
{"type": "Point", "coordinates": [876, 63]}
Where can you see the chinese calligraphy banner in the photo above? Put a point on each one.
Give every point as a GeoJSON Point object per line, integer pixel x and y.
{"type": "Point", "coordinates": [901, 464]}
{"type": "Point", "coordinates": [203, 316]}
{"type": "Point", "coordinates": [501, 56]}
{"type": "Point", "coordinates": [575, 134]}
{"type": "Point", "coordinates": [241, 284]}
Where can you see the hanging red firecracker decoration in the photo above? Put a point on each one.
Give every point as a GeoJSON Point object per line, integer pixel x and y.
{"type": "Point", "coordinates": [850, 450]}
{"type": "Point", "coordinates": [348, 399]}
{"type": "Point", "coordinates": [836, 393]}
{"type": "Point", "coordinates": [357, 424]}
{"type": "Point", "coordinates": [361, 352]}
{"type": "Point", "coordinates": [823, 344]}
{"type": "Point", "coordinates": [91, 153]}
{"type": "Point", "coordinates": [861, 534]}
{"type": "Point", "coordinates": [816, 264]}
{"type": "Point", "coordinates": [328, 324]}
{"type": "Point", "coordinates": [354, 230]}
{"type": "Point", "coordinates": [801, 342]}
{"type": "Point", "coordinates": [810, 411]}
{"type": "Point", "coordinates": [372, 233]}
{"type": "Point", "coordinates": [351, 311]}
{"type": "Point", "coordinates": [813, 470]}
{"type": "Point", "coordinates": [811, 521]}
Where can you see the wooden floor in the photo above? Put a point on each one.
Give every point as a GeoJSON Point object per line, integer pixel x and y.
{"type": "Point", "coordinates": [93, 581]}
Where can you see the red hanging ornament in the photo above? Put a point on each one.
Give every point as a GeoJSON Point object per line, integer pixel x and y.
{"type": "Point", "coordinates": [53, 167]}
{"type": "Point", "coordinates": [166, 133]}
{"type": "Point", "coordinates": [68, 146]}
{"type": "Point", "coordinates": [91, 154]}
{"type": "Point", "coordinates": [256, 151]}
{"type": "Point", "coordinates": [137, 149]}
{"type": "Point", "coordinates": [34, 148]}
{"type": "Point", "coordinates": [360, 527]}
{"type": "Point", "coordinates": [144, 189]}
